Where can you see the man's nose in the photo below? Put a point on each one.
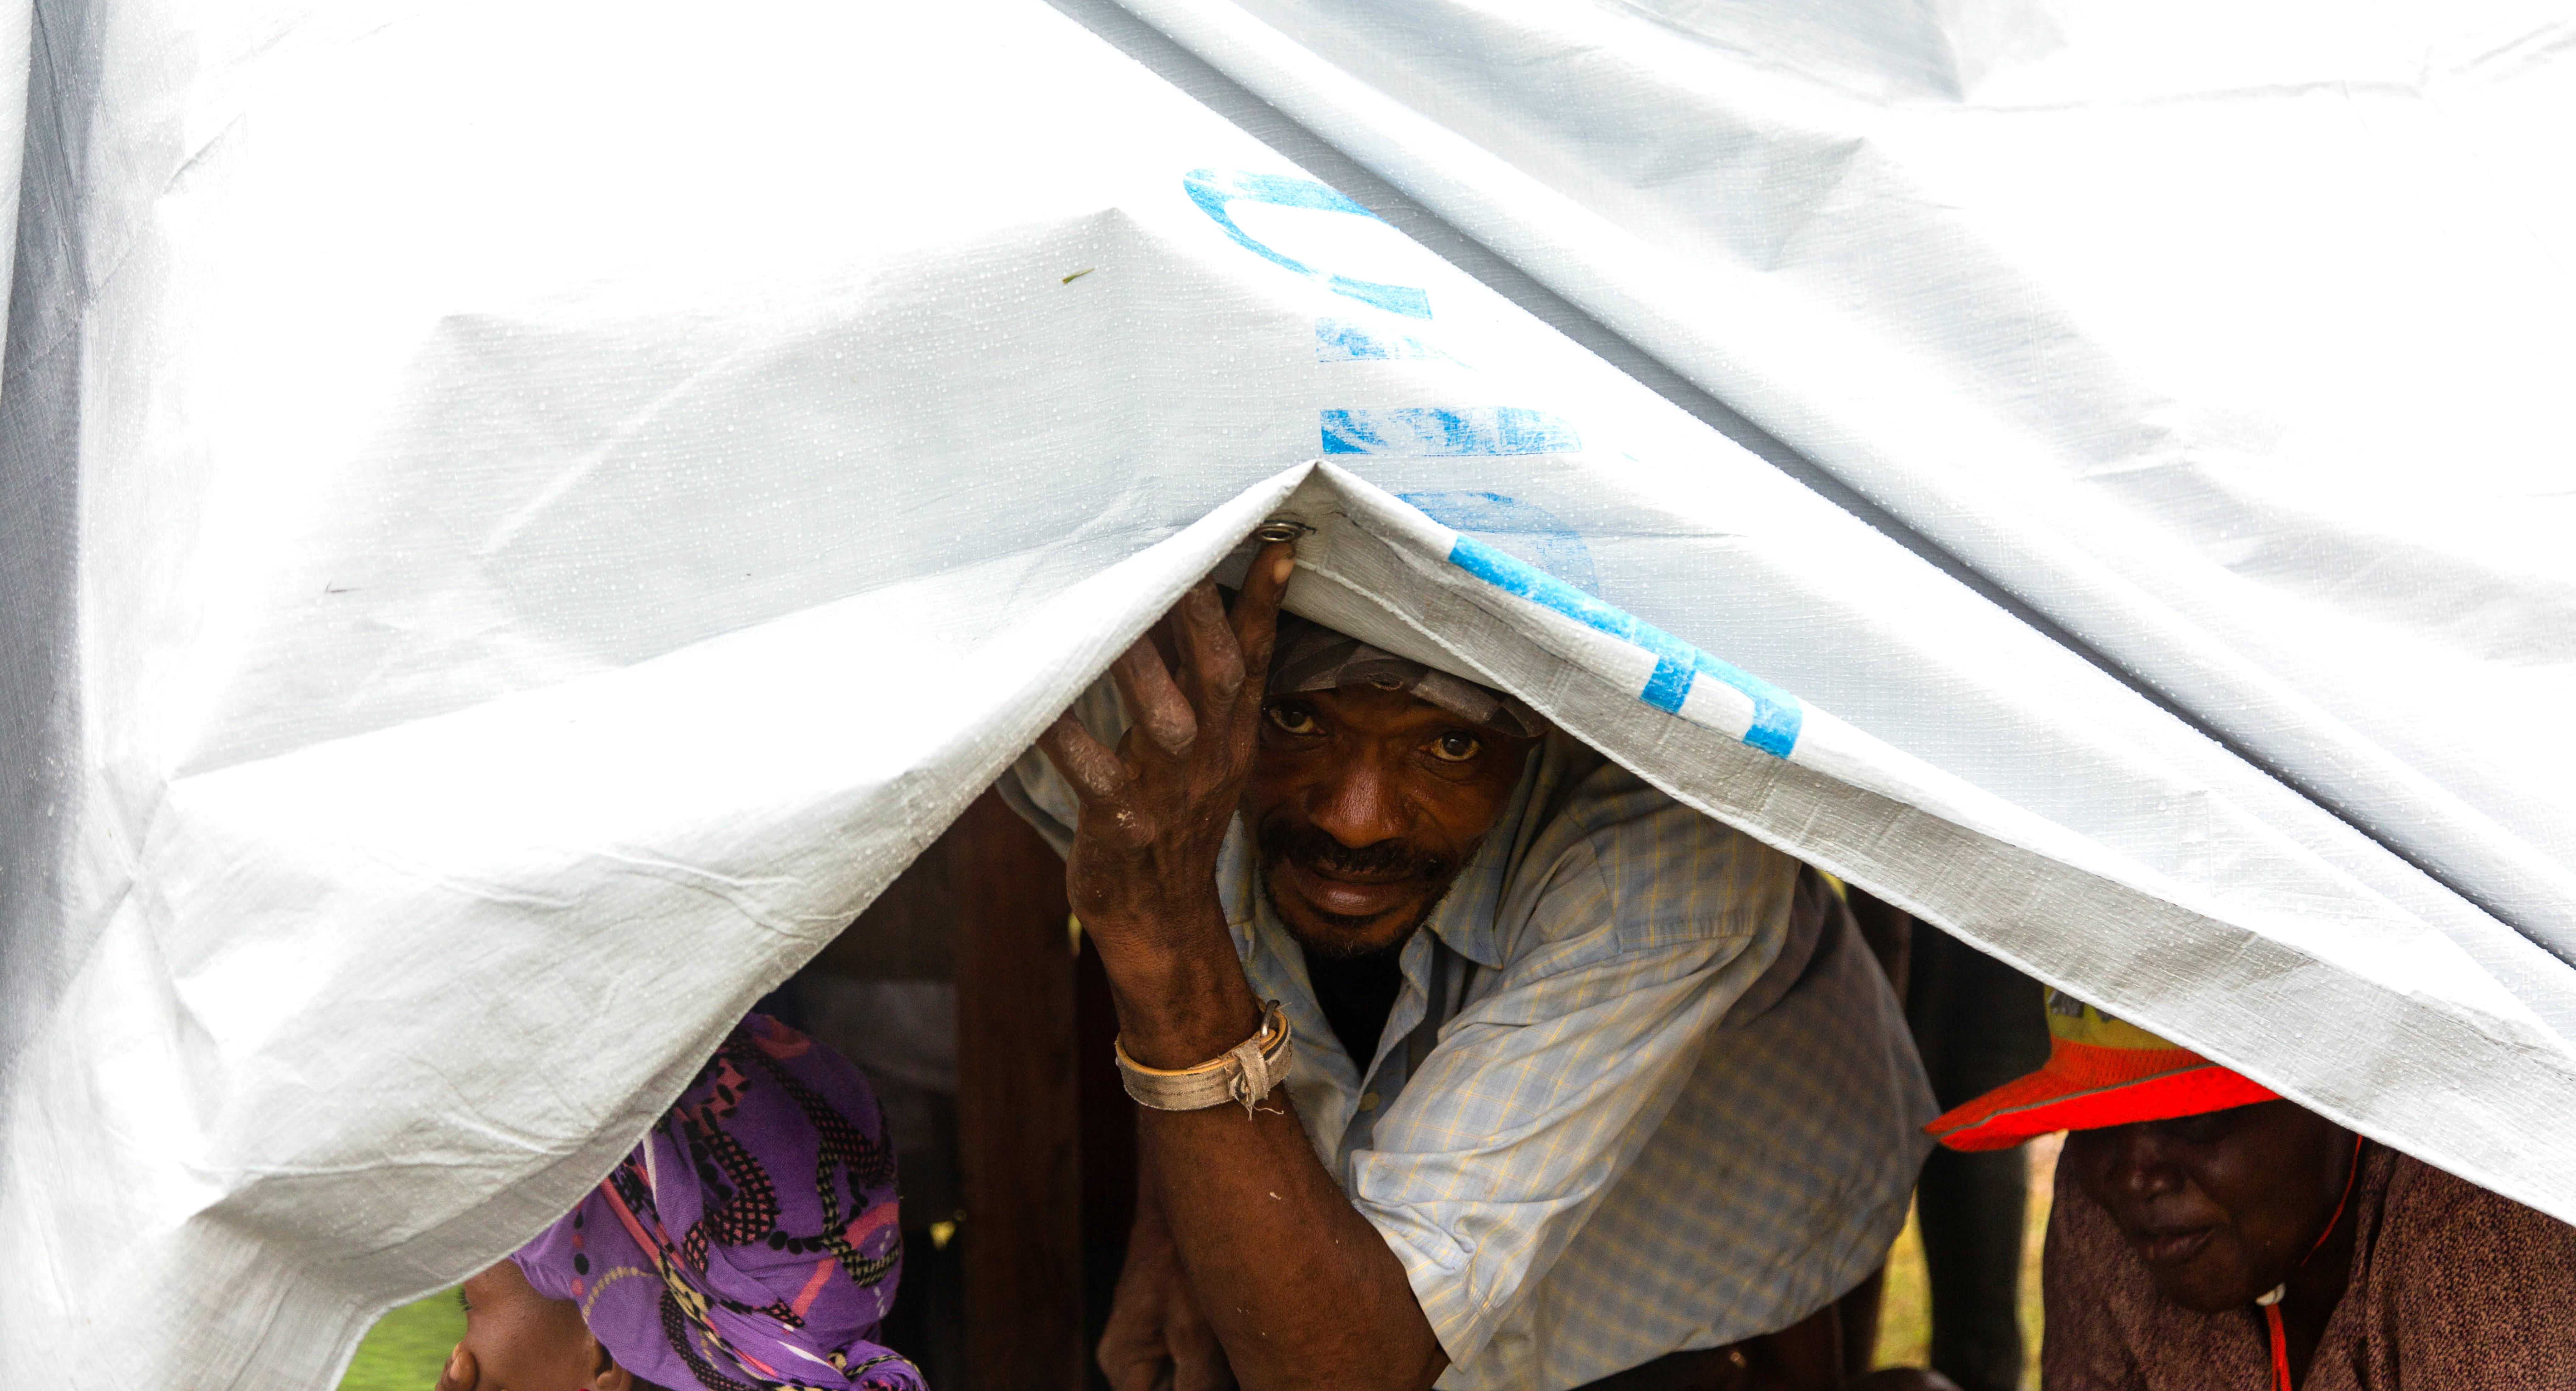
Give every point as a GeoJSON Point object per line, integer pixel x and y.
{"type": "Point", "coordinates": [1358, 804]}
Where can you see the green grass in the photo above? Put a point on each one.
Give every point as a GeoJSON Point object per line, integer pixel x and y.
{"type": "Point", "coordinates": [405, 1349]}
{"type": "Point", "coordinates": [1905, 1318]}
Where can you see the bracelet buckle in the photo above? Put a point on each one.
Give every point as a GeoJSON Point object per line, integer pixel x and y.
{"type": "Point", "coordinates": [1245, 1073]}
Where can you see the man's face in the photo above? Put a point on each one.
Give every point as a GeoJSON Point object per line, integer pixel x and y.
{"type": "Point", "coordinates": [1365, 805]}
{"type": "Point", "coordinates": [2223, 1206]}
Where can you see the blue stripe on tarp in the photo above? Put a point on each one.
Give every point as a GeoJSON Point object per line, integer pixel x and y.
{"type": "Point", "coordinates": [1212, 189]}
{"type": "Point", "coordinates": [1777, 715]}
{"type": "Point", "coordinates": [1340, 340]}
{"type": "Point", "coordinates": [1437, 431]}
{"type": "Point", "coordinates": [1517, 529]}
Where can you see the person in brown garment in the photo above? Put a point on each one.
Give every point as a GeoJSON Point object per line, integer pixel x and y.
{"type": "Point", "coordinates": [2208, 1234]}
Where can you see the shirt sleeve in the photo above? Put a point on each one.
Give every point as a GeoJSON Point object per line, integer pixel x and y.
{"type": "Point", "coordinates": [1643, 924]}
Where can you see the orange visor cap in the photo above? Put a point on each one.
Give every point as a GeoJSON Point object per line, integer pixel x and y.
{"type": "Point", "coordinates": [2101, 1071]}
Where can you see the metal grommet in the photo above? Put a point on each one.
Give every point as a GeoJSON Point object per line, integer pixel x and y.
{"type": "Point", "coordinates": [1281, 529]}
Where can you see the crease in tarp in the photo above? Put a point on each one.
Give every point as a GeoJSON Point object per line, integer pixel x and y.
{"type": "Point", "coordinates": [1601, 268]}
{"type": "Point", "coordinates": [1969, 874]}
{"type": "Point", "coordinates": [1003, 435]}
{"type": "Point", "coordinates": [1136, 36]}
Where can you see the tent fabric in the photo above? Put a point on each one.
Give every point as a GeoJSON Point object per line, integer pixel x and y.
{"type": "Point", "coordinates": [531, 516]}
{"type": "Point", "coordinates": [2230, 343]}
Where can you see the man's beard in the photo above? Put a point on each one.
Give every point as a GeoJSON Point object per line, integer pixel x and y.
{"type": "Point", "coordinates": [1279, 839]}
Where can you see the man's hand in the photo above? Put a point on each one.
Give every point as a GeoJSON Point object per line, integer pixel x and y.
{"type": "Point", "coordinates": [1157, 1340]}
{"type": "Point", "coordinates": [1142, 871]}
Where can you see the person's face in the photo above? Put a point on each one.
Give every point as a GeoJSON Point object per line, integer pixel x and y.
{"type": "Point", "coordinates": [518, 1340]}
{"type": "Point", "coordinates": [2221, 1206]}
{"type": "Point", "coordinates": [1365, 805]}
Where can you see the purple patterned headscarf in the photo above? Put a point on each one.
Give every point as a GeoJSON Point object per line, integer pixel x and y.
{"type": "Point", "coordinates": [750, 1243]}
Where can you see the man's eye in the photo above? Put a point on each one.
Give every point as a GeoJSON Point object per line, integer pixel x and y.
{"type": "Point", "coordinates": [1294, 719]}
{"type": "Point", "coordinates": [1454, 747]}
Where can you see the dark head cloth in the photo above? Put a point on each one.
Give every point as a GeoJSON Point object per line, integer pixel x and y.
{"type": "Point", "coordinates": [1311, 657]}
{"type": "Point", "coordinates": [750, 1243]}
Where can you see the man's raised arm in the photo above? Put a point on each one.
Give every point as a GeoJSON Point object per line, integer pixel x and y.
{"type": "Point", "coordinates": [1299, 1287]}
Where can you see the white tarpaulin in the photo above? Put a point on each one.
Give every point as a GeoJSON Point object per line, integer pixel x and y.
{"type": "Point", "coordinates": [521, 519]}
{"type": "Point", "coordinates": [2234, 341]}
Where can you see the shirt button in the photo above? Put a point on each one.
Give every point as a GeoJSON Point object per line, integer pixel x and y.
{"type": "Point", "coordinates": [1368, 1101]}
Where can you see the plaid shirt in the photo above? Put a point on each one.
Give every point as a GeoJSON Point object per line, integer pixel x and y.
{"type": "Point", "coordinates": [1644, 1090]}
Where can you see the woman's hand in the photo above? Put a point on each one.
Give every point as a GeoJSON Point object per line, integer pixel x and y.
{"type": "Point", "coordinates": [460, 1373]}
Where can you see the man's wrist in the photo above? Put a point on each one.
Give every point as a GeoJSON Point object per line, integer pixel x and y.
{"type": "Point", "coordinates": [1178, 1009]}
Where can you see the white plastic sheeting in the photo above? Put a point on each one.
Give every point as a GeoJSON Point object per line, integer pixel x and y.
{"type": "Point", "coordinates": [2234, 342]}
{"type": "Point", "coordinates": [534, 514]}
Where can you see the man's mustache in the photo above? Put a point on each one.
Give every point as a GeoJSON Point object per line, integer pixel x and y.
{"type": "Point", "coordinates": [1387, 861]}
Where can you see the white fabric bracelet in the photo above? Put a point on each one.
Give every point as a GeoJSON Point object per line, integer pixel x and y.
{"type": "Point", "coordinates": [1246, 1073]}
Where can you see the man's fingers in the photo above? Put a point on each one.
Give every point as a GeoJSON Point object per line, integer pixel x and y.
{"type": "Point", "coordinates": [1153, 701]}
{"type": "Point", "coordinates": [1134, 1372]}
{"type": "Point", "coordinates": [1256, 605]}
{"type": "Point", "coordinates": [1131, 1352]}
{"type": "Point", "coordinates": [1198, 1358]}
{"type": "Point", "coordinates": [1094, 771]}
{"type": "Point", "coordinates": [1139, 1376]}
{"type": "Point", "coordinates": [1207, 643]}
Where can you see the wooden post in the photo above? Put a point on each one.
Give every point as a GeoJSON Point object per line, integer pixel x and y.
{"type": "Point", "coordinates": [1018, 1125]}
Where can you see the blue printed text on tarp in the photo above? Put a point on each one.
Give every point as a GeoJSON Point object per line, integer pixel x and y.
{"type": "Point", "coordinates": [1435, 431]}
{"type": "Point", "coordinates": [1213, 189]}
